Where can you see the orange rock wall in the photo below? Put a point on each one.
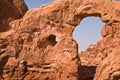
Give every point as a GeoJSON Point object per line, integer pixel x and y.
{"type": "Point", "coordinates": [30, 50]}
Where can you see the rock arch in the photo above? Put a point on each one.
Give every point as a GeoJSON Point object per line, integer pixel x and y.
{"type": "Point", "coordinates": [87, 32]}
{"type": "Point", "coordinates": [60, 18]}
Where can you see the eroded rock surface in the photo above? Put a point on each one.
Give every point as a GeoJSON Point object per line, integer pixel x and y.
{"type": "Point", "coordinates": [10, 10]}
{"type": "Point", "coordinates": [30, 50]}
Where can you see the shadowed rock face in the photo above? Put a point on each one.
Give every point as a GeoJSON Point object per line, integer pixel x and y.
{"type": "Point", "coordinates": [10, 10]}
{"type": "Point", "coordinates": [30, 50]}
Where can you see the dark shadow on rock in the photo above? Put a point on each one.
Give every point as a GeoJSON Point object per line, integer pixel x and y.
{"type": "Point", "coordinates": [2, 64]}
{"type": "Point", "coordinates": [87, 72]}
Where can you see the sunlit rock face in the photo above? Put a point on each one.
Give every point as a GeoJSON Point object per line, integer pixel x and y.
{"type": "Point", "coordinates": [29, 50]}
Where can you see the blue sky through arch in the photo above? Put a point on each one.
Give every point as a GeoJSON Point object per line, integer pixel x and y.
{"type": "Point", "coordinates": [88, 32]}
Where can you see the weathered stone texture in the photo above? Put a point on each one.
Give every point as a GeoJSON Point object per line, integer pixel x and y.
{"type": "Point", "coordinates": [10, 10]}
{"type": "Point", "coordinates": [30, 50]}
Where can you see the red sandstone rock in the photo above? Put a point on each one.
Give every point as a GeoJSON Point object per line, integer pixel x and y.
{"type": "Point", "coordinates": [30, 50]}
{"type": "Point", "coordinates": [10, 10]}
{"type": "Point", "coordinates": [109, 68]}
{"type": "Point", "coordinates": [97, 54]}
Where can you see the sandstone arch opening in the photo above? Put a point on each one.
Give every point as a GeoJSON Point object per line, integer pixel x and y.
{"type": "Point", "coordinates": [87, 32]}
{"type": "Point", "coordinates": [57, 39]}
{"type": "Point", "coordinates": [53, 40]}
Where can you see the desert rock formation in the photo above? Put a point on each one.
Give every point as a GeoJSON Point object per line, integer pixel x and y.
{"type": "Point", "coordinates": [30, 51]}
{"type": "Point", "coordinates": [10, 10]}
